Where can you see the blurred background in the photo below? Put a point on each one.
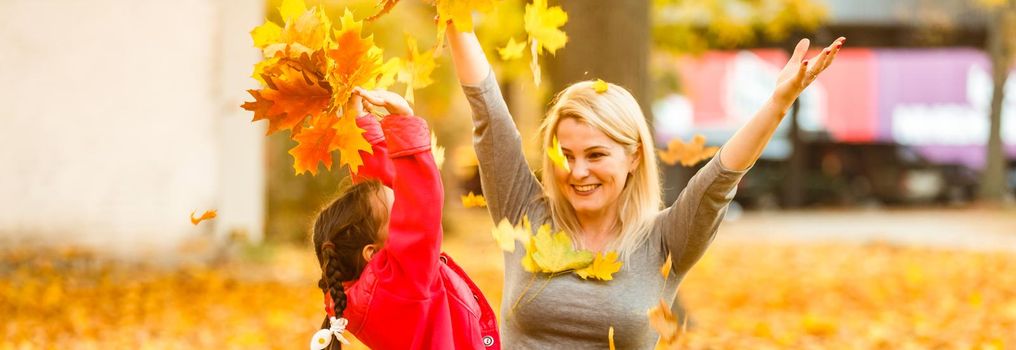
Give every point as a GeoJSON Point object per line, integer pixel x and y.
{"type": "Point", "coordinates": [880, 216]}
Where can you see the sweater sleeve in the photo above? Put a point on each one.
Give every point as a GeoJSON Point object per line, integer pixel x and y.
{"type": "Point", "coordinates": [376, 165]}
{"type": "Point", "coordinates": [689, 225]}
{"type": "Point", "coordinates": [508, 184]}
{"type": "Point", "coordinates": [414, 228]}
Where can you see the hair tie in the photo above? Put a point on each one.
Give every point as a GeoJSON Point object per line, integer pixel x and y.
{"type": "Point", "coordinates": [323, 337]}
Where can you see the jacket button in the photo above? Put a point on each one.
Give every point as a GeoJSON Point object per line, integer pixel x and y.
{"type": "Point", "coordinates": [488, 341]}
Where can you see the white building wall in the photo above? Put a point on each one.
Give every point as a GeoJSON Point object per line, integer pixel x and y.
{"type": "Point", "coordinates": [120, 117]}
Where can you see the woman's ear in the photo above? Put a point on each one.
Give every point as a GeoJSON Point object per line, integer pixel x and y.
{"type": "Point", "coordinates": [368, 251]}
{"type": "Point", "coordinates": [636, 157]}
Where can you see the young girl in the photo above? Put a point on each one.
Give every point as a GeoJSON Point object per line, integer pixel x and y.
{"type": "Point", "coordinates": [382, 273]}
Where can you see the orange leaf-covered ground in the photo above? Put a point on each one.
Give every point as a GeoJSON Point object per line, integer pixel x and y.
{"type": "Point", "coordinates": [742, 295]}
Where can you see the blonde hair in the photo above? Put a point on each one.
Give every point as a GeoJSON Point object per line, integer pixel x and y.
{"type": "Point", "coordinates": [615, 113]}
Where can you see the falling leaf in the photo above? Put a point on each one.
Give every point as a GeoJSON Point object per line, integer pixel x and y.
{"type": "Point", "coordinates": [416, 68]}
{"type": "Point", "coordinates": [556, 253]}
{"type": "Point", "coordinates": [505, 235]}
{"type": "Point", "coordinates": [610, 337]}
{"type": "Point", "coordinates": [664, 322]}
{"type": "Point", "coordinates": [474, 201]}
{"type": "Point", "coordinates": [512, 50]}
{"type": "Point", "coordinates": [557, 155]}
{"type": "Point", "coordinates": [207, 215]}
{"type": "Point", "coordinates": [542, 24]}
{"type": "Point", "coordinates": [688, 154]}
{"type": "Point", "coordinates": [439, 154]}
{"type": "Point", "coordinates": [667, 267]}
{"type": "Point", "coordinates": [385, 6]}
{"type": "Point", "coordinates": [600, 86]}
{"type": "Point", "coordinates": [603, 267]}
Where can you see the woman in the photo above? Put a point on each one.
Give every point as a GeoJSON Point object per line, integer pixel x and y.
{"type": "Point", "coordinates": [608, 199]}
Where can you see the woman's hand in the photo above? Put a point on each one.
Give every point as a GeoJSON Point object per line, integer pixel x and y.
{"type": "Point", "coordinates": [799, 73]}
{"type": "Point", "coordinates": [390, 101]}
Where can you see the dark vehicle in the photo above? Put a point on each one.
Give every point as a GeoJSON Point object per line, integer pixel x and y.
{"type": "Point", "coordinates": [838, 174]}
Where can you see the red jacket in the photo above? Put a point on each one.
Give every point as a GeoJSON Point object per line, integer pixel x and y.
{"type": "Point", "coordinates": [410, 295]}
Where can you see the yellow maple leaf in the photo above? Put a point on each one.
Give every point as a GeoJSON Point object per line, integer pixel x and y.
{"type": "Point", "coordinates": [543, 23]}
{"type": "Point", "coordinates": [512, 50]}
{"type": "Point", "coordinates": [556, 253]}
{"type": "Point", "coordinates": [474, 201]}
{"type": "Point", "coordinates": [505, 235]}
{"type": "Point", "coordinates": [688, 154]}
{"type": "Point", "coordinates": [557, 155]}
{"type": "Point", "coordinates": [389, 71]}
{"type": "Point", "coordinates": [603, 267]}
{"type": "Point", "coordinates": [416, 68]}
{"type": "Point", "coordinates": [439, 154]}
{"type": "Point", "coordinates": [349, 141]}
{"type": "Point", "coordinates": [291, 9]}
{"type": "Point", "coordinates": [266, 34]}
{"type": "Point", "coordinates": [667, 266]}
{"type": "Point", "coordinates": [528, 263]}
{"type": "Point", "coordinates": [460, 12]}
{"type": "Point", "coordinates": [207, 215]}
{"type": "Point", "coordinates": [664, 322]}
{"type": "Point", "coordinates": [600, 86]}
{"type": "Point", "coordinates": [303, 32]}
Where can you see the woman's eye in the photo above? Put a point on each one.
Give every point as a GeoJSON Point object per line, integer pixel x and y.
{"type": "Point", "coordinates": [569, 157]}
{"type": "Point", "coordinates": [596, 155]}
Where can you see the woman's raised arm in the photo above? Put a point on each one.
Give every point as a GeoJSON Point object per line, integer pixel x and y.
{"type": "Point", "coordinates": [471, 64]}
{"type": "Point", "coordinates": [744, 148]}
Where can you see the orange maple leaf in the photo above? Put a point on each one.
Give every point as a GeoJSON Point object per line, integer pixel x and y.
{"type": "Point", "coordinates": [349, 141]}
{"type": "Point", "coordinates": [357, 62]}
{"type": "Point", "coordinates": [291, 95]}
{"type": "Point", "coordinates": [313, 144]}
{"type": "Point", "coordinates": [207, 215]}
{"type": "Point", "coordinates": [688, 154]}
{"type": "Point", "coordinates": [664, 322]}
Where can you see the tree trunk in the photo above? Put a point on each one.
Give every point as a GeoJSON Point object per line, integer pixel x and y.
{"type": "Point", "coordinates": [1000, 49]}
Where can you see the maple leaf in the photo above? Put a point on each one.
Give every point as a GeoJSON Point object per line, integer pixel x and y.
{"type": "Point", "coordinates": [290, 97]}
{"type": "Point", "coordinates": [389, 71]}
{"type": "Point", "coordinates": [556, 253]}
{"type": "Point", "coordinates": [305, 31]}
{"type": "Point", "coordinates": [356, 61]}
{"type": "Point", "coordinates": [416, 68]}
{"type": "Point", "coordinates": [557, 155]}
{"type": "Point", "coordinates": [505, 235]}
{"type": "Point", "coordinates": [207, 215]}
{"type": "Point", "coordinates": [543, 25]}
{"type": "Point", "coordinates": [664, 322]}
{"type": "Point", "coordinates": [439, 155]}
{"type": "Point", "coordinates": [266, 34]}
{"type": "Point", "coordinates": [460, 12]}
{"type": "Point", "coordinates": [667, 267]}
{"type": "Point", "coordinates": [600, 86]}
{"type": "Point", "coordinates": [603, 267]}
{"type": "Point", "coordinates": [688, 154]}
{"type": "Point", "coordinates": [528, 263]}
{"type": "Point", "coordinates": [512, 50]}
{"type": "Point", "coordinates": [385, 6]}
{"type": "Point", "coordinates": [313, 143]}
{"type": "Point", "coordinates": [349, 141]}
{"type": "Point", "coordinates": [474, 201]}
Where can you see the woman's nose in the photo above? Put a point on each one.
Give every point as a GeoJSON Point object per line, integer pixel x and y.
{"type": "Point", "coordinates": [580, 169]}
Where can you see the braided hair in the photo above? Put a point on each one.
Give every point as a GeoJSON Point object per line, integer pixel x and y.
{"type": "Point", "coordinates": [342, 229]}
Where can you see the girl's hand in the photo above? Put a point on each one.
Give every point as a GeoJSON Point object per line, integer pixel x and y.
{"type": "Point", "coordinates": [390, 101]}
{"type": "Point", "coordinates": [799, 73]}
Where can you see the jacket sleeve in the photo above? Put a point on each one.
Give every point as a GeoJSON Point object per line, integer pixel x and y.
{"type": "Point", "coordinates": [376, 165]}
{"type": "Point", "coordinates": [414, 228]}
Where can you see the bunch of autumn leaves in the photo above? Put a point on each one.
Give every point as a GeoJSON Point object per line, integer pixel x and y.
{"type": "Point", "coordinates": [307, 79]}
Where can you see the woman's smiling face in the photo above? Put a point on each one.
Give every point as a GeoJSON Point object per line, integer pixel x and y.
{"type": "Point", "coordinates": [599, 168]}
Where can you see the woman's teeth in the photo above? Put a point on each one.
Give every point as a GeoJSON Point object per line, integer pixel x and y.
{"type": "Point", "coordinates": [585, 188]}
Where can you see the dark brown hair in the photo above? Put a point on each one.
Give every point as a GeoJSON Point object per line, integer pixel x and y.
{"type": "Point", "coordinates": [340, 232]}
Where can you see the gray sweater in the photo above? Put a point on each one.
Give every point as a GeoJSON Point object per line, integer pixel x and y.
{"type": "Point", "coordinates": [565, 311]}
